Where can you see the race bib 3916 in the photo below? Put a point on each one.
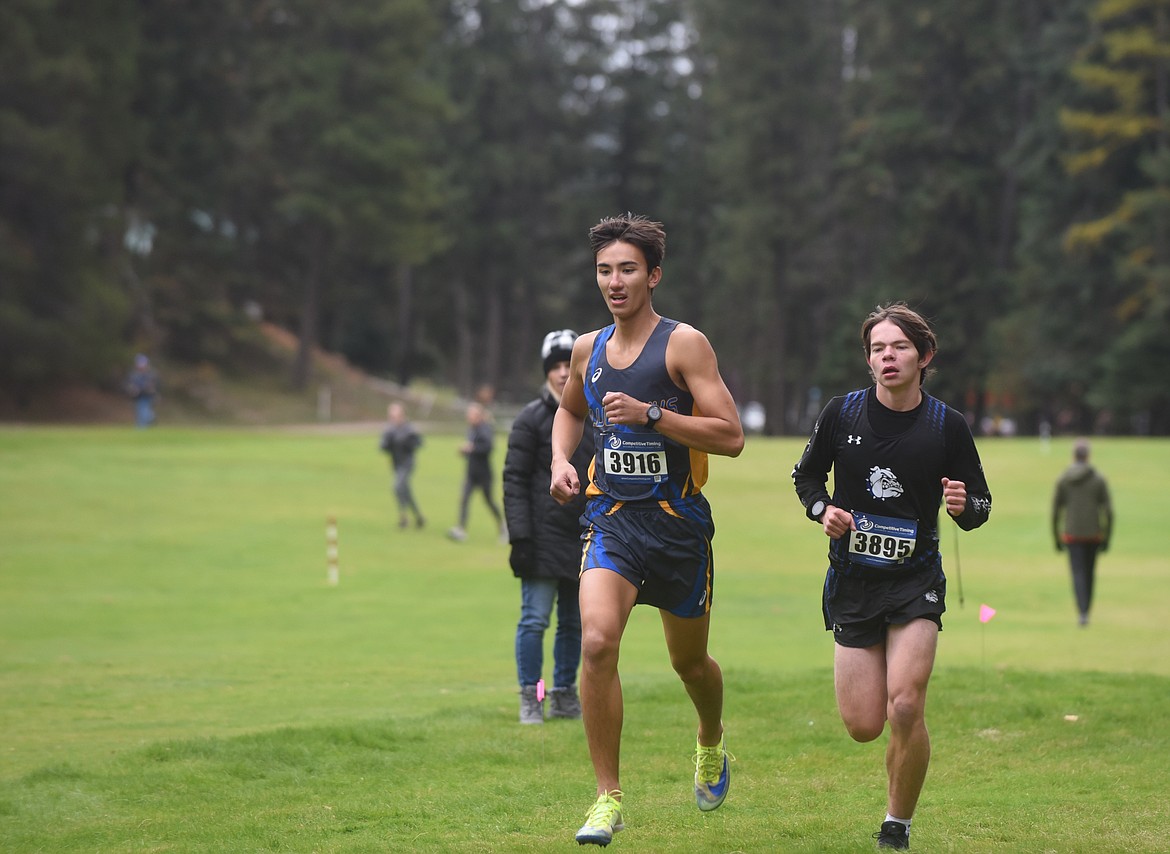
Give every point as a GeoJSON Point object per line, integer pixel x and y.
{"type": "Point", "coordinates": [636, 458]}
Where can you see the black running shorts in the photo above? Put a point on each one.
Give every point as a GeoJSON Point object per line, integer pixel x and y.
{"type": "Point", "coordinates": [859, 606]}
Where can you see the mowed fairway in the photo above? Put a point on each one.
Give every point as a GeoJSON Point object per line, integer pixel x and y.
{"type": "Point", "coordinates": [177, 675]}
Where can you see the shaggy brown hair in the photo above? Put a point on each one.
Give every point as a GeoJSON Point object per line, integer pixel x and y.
{"type": "Point", "coordinates": [646, 234]}
{"type": "Point", "coordinates": [910, 322]}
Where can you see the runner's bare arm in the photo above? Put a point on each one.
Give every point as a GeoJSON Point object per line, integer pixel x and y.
{"type": "Point", "coordinates": [714, 426]}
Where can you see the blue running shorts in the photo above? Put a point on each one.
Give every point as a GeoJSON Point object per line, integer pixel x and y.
{"type": "Point", "coordinates": [662, 548]}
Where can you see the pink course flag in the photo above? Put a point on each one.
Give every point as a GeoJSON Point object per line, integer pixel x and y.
{"type": "Point", "coordinates": [986, 612]}
{"type": "Point", "coordinates": [540, 687]}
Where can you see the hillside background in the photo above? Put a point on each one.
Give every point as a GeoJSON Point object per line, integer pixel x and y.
{"type": "Point", "coordinates": [337, 395]}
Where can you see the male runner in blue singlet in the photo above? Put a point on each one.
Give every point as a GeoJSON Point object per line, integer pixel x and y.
{"type": "Point", "coordinates": [652, 393]}
{"type": "Point", "coordinates": [896, 454]}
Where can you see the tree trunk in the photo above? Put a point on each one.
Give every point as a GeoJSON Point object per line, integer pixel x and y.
{"type": "Point", "coordinates": [464, 337]}
{"type": "Point", "coordinates": [310, 315]}
{"type": "Point", "coordinates": [493, 337]}
{"type": "Point", "coordinates": [403, 346]}
{"type": "Point", "coordinates": [771, 346]}
{"type": "Point", "coordinates": [1162, 108]}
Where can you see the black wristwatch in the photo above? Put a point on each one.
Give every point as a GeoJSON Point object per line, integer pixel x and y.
{"type": "Point", "coordinates": [652, 415]}
{"type": "Point", "coordinates": [816, 510]}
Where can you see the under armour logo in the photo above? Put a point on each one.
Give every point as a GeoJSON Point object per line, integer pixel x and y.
{"type": "Point", "coordinates": [853, 440]}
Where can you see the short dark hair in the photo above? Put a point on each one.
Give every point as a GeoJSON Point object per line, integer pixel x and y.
{"type": "Point", "coordinates": [910, 322]}
{"type": "Point", "coordinates": [640, 231]}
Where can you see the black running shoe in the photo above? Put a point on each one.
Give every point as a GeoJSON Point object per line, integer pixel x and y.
{"type": "Point", "coordinates": [893, 835]}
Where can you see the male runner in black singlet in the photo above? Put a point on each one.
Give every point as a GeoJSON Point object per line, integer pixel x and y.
{"type": "Point", "coordinates": [896, 454]}
{"type": "Point", "coordinates": [652, 393]}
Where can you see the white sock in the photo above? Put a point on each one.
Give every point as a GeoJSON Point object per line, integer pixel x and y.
{"type": "Point", "coordinates": [904, 821]}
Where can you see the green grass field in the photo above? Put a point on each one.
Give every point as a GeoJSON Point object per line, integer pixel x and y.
{"type": "Point", "coordinates": [177, 676]}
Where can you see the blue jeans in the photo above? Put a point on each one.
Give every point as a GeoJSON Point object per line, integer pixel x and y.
{"type": "Point", "coordinates": [144, 411]}
{"type": "Point", "coordinates": [403, 492]}
{"type": "Point", "coordinates": [536, 602]}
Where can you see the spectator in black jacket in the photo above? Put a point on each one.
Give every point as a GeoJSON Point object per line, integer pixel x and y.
{"type": "Point", "coordinates": [477, 449]}
{"type": "Point", "coordinates": [546, 543]}
{"type": "Point", "coordinates": [401, 440]}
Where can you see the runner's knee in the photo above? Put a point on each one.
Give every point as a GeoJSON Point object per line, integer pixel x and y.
{"type": "Point", "coordinates": [864, 730]}
{"type": "Point", "coordinates": [693, 669]}
{"type": "Point", "coordinates": [598, 649]}
{"type": "Point", "coordinates": [905, 711]}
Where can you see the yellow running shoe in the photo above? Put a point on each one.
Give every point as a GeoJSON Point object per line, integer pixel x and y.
{"type": "Point", "coordinates": [712, 775]}
{"type": "Point", "coordinates": [603, 821]}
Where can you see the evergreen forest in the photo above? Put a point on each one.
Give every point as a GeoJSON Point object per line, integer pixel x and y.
{"type": "Point", "coordinates": [409, 183]}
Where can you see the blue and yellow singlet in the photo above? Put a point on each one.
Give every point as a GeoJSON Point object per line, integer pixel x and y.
{"type": "Point", "coordinates": [636, 463]}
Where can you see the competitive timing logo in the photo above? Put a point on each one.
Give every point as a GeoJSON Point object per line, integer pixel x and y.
{"type": "Point", "coordinates": [615, 442]}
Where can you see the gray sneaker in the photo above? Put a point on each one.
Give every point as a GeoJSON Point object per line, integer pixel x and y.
{"type": "Point", "coordinates": [564, 703]}
{"type": "Point", "coordinates": [531, 709]}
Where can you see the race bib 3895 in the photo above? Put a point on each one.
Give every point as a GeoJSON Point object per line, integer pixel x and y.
{"type": "Point", "coordinates": [881, 541]}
